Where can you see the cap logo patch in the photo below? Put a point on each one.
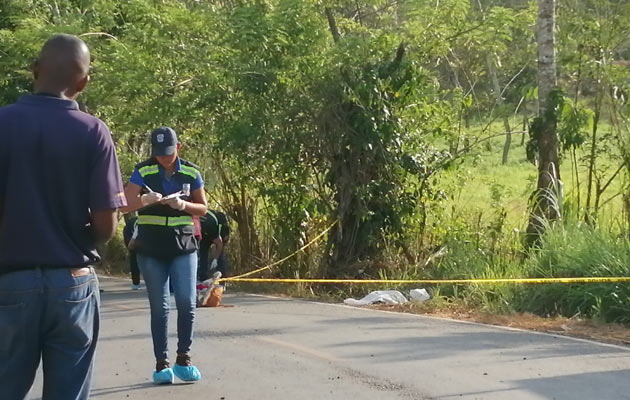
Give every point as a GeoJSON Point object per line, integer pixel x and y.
{"type": "Point", "coordinates": [160, 138]}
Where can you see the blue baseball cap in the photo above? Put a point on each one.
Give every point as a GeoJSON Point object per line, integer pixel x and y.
{"type": "Point", "coordinates": [163, 141]}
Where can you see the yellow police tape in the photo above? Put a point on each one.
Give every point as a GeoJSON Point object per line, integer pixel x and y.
{"type": "Point", "coordinates": [437, 281]}
{"type": "Point", "coordinates": [315, 239]}
{"type": "Point", "coordinates": [242, 277]}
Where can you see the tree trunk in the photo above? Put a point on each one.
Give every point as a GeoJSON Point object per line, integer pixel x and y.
{"type": "Point", "coordinates": [578, 187]}
{"type": "Point", "coordinates": [547, 80]}
{"type": "Point", "coordinates": [545, 204]}
{"type": "Point", "coordinates": [508, 141]}
{"type": "Point", "coordinates": [592, 166]}
{"type": "Point", "coordinates": [499, 99]}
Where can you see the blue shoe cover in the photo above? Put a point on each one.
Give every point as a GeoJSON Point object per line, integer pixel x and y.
{"type": "Point", "coordinates": [163, 377]}
{"type": "Point", "coordinates": [187, 373]}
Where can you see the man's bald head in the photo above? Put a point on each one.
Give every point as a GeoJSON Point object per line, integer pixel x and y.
{"type": "Point", "coordinates": [62, 66]}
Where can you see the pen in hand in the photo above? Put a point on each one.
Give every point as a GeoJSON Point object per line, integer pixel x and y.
{"type": "Point", "coordinates": [152, 193]}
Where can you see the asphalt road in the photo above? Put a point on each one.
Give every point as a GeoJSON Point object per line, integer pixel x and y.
{"type": "Point", "coordinates": [270, 348]}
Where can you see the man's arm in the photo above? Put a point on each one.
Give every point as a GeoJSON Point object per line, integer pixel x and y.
{"type": "Point", "coordinates": [218, 248]}
{"type": "Point", "coordinates": [104, 224]}
{"type": "Point", "coordinates": [105, 186]}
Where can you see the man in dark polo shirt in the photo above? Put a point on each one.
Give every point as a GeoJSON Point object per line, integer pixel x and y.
{"type": "Point", "coordinates": [214, 230]}
{"type": "Point", "coordinates": [60, 186]}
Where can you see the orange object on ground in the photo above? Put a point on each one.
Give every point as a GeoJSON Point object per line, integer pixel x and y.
{"type": "Point", "coordinates": [215, 297]}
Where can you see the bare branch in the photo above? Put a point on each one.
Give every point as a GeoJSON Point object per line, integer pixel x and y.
{"type": "Point", "coordinates": [603, 188]}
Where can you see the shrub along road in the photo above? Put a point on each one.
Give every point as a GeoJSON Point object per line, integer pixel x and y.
{"type": "Point", "coordinates": [271, 348]}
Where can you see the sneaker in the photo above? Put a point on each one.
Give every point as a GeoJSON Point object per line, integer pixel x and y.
{"type": "Point", "coordinates": [136, 287]}
{"type": "Point", "coordinates": [184, 369]}
{"type": "Point", "coordinates": [163, 373]}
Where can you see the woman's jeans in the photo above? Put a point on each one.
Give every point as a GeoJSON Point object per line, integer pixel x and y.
{"type": "Point", "coordinates": [182, 271]}
{"type": "Point", "coordinates": [52, 315]}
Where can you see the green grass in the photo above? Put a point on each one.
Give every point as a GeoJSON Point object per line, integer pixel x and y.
{"type": "Point", "coordinates": [570, 249]}
{"type": "Point", "coordinates": [482, 185]}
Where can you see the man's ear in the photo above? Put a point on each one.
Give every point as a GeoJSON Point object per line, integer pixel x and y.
{"type": "Point", "coordinates": [179, 146]}
{"type": "Point", "coordinates": [82, 83]}
{"type": "Point", "coordinates": [35, 69]}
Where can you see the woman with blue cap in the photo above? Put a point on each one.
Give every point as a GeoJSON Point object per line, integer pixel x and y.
{"type": "Point", "coordinates": [168, 192]}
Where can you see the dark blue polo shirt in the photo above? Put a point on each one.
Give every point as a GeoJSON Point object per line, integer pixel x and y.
{"type": "Point", "coordinates": [56, 164]}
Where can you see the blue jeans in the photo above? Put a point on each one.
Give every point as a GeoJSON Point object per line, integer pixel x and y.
{"type": "Point", "coordinates": [52, 315]}
{"type": "Point", "coordinates": [182, 271]}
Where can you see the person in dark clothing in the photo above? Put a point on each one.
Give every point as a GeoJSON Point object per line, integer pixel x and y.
{"type": "Point", "coordinates": [60, 188]}
{"type": "Point", "coordinates": [130, 234]}
{"type": "Point", "coordinates": [214, 230]}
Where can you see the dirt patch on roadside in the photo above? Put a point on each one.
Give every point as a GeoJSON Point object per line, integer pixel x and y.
{"type": "Point", "coordinates": [585, 329]}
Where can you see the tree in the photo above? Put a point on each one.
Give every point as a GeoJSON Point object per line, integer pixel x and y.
{"type": "Point", "coordinates": [546, 199]}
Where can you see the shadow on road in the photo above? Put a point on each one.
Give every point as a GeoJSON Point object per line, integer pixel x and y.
{"type": "Point", "coordinates": [602, 385]}
{"type": "Point", "coordinates": [201, 334]}
{"type": "Point", "coordinates": [508, 343]}
{"type": "Point", "coordinates": [118, 389]}
{"type": "Point", "coordinates": [122, 389]}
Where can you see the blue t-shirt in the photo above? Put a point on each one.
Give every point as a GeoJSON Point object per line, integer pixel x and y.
{"type": "Point", "coordinates": [56, 164]}
{"type": "Point", "coordinates": [169, 185]}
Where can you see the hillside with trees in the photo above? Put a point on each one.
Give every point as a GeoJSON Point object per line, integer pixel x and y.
{"type": "Point", "coordinates": [446, 138]}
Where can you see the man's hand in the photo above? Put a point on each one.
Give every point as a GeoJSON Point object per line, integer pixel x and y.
{"type": "Point", "coordinates": [176, 203]}
{"type": "Point", "coordinates": [213, 264]}
{"type": "Point", "coordinates": [150, 198]}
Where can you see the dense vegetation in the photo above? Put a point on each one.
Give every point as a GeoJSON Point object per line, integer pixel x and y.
{"type": "Point", "coordinates": [411, 123]}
